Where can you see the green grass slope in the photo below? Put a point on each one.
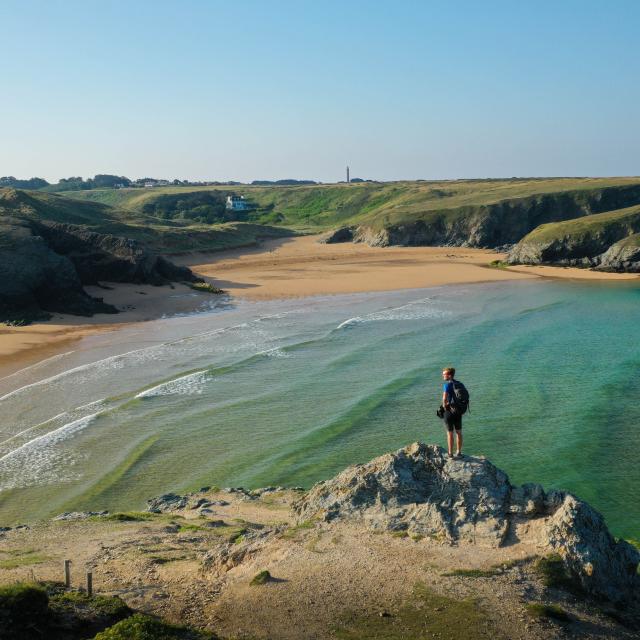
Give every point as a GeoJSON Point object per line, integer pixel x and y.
{"type": "Point", "coordinates": [484, 213]}
{"type": "Point", "coordinates": [376, 204]}
{"type": "Point", "coordinates": [160, 235]}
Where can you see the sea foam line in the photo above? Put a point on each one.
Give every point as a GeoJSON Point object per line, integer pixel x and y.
{"type": "Point", "coordinates": [53, 437]}
{"type": "Point", "coordinates": [185, 385]}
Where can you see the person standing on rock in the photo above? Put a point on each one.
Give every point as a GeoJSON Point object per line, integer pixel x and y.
{"type": "Point", "coordinates": [455, 401]}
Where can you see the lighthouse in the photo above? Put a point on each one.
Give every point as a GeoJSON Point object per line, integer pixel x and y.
{"type": "Point", "coordinates": [348, 180]}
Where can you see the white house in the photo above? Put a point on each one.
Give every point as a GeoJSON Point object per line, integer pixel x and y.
{"type": "Point", "coordinates": [237, 203]}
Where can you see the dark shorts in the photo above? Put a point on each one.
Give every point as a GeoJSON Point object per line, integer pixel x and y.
{"type": "Point", "coordinates": [452, 421]}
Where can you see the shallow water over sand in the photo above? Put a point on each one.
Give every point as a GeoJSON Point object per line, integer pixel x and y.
{"type": "Point", "coordinates": [290, 392]}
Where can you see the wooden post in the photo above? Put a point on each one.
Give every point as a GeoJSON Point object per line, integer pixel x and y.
{"type": "Point", "coordinates": [89, 583]}
{"type": "Point", "coordinates": [67, 573]}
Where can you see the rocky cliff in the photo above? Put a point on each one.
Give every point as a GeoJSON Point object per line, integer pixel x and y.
{"type": "Point", "coordinates": [607, 241]}
{"type": "Point", "coordinates": [419, 491]}
{"type": "Point", "coordinates": [491, 225]}
{"type": "Point", "coordinates": [44, 266]}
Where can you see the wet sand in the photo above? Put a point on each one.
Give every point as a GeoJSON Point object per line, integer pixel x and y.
{"type": "Point", "coordinates": [282, 268]}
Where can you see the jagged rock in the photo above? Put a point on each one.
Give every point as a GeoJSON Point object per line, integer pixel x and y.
{"type": "Point", "coordinates": [98, 256]}
{"type": "Point", "coordinates": [604, 566]}
{"type": "Point", "coordinates": [344, 234]}
{"type": "Point", "coordinates": [418, 490]}
{"type": "Point", "coordinates": [229, 555]}
{"type": "Point", "coordinates": [199, 502]}
{"type": "Point", "coordinates": [44, 264]}
{"type": "Point", "coordinates": [80, 515]}
{"type": "Point", "coordinates": [167, 503]}
{"type": "Point", "coordinates": [623, 256]}
{"type": "Point", "coordinates": [36, 280]}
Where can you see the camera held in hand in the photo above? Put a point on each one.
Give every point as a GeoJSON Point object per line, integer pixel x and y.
{"type": "Point", "coordinates": [440, 412]}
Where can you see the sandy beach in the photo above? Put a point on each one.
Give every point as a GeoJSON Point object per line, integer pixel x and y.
{"type": "Point", "coordinates": [289, 267]}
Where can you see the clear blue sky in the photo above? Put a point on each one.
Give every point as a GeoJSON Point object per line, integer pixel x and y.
{"type": "Point", "coordinates": [276, 89]}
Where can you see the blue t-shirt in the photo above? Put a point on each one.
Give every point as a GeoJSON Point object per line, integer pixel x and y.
{"type": "Point", "coordinates": [447, 387]}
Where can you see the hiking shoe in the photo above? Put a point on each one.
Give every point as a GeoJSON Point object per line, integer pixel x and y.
{"type": "Point", "coordinates": [450, 456]}
{"type": "Point", "coordinates": [458, 455]}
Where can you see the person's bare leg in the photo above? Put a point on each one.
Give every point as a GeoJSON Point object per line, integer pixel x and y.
{"type": "Point", "coordinates": [450, 442]}
{"type": "Point", "coordinates": [458, 440]}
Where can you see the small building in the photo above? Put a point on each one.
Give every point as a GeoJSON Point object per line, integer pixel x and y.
{"type": "Point", "coordinates": [238, 203]}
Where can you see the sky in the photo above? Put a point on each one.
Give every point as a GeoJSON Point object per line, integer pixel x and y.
{"type": "Point", "coordinates": [244, 90]}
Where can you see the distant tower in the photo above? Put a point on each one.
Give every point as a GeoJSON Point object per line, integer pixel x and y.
{"type": "Point", "coordinates": [348, 181]}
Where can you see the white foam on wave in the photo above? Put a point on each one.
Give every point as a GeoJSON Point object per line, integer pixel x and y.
{"type": "Point", "coordinates": [422, 309]}
{"type": "Point", "coordinates": [97, 404]}
{"type": "Point", "coordinates": [41, 461]}
{"type": "Point", "coordinates": [276, 352]}
{"type": "Point", "coordinates": [112, 362]}
{"type": "Point", "coordinates": [189, 385]}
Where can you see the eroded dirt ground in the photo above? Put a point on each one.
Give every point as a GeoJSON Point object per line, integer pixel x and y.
{"type": "Point", "coordinates": [195, 566]}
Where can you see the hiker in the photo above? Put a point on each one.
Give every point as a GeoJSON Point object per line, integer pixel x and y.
{"type": "Point", "coordinates": [455, 401]}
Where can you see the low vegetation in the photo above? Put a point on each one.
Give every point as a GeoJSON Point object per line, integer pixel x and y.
{"type": "Point", "coordinates": [554, 574]}
{"type": "Point", "coordinates": [205, 287]}
{"type": "Point", "coordinates": [143, 627]}
{"type": "Point", "coordinates": [425, 615]}
{"type": "Point", "coordinates": [550, 611]}
{"type": "Point", "coordinates": [32, 610]}
{"type": "Point", "coordinates": [261, 578]}
{"type": "Point", "coordinates": [20, 558]}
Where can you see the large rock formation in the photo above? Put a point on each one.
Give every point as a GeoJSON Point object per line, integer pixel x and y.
{"type": "Point", "coordinates": [470, 501]}
{"type": "Point", "coordinates": [98, 256]}
{"type": "Point", "coordinates": [44, 266]}
{"type": "Point", "coordinates": [36, 280]}
{"type": "Point", "coordinates": [621, 256]}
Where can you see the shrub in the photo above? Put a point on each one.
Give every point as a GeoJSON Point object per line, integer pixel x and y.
{"type": "Point", "coordinates": [261, 578]}
{"type": "Point", "coordinates": [205, 287]}
{"type": "Point", "coordinates": [553, 611]}
{"type": "Point", "coordinates": [142, 627]}
{"type": "Point", "coordinates": [24, 611]}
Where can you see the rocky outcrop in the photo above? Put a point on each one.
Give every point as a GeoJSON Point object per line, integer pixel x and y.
{"type": "Point", "coordinates": [604, 241]}
{"type": "Point", "coordinates": [98, 256]}
{"type": "Point", "coordinates": [344, 234]}
{"type": "Point", "coordinates": [623, 256]}
{"type": "Point", "coordinates": [470, 501]}
{"type": "Point", "coordinates": [36, 280]}
{"type": "Point", "coordinates": [167, 503]}
{"type": "Point", "coordinates": [44, 266]}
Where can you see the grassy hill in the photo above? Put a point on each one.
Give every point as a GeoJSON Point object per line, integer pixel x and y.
{"type": "Point", "coordinates": [374, 205]}
{"type": "Point", "coordinates": [160, 235]}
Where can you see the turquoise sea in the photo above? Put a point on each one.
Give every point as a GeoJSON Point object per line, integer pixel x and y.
{"type": "Point", "coordinates": [290, 392]}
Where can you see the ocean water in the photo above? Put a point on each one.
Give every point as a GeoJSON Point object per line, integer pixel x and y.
{"type": "Point", "coordinates": [290, 392]}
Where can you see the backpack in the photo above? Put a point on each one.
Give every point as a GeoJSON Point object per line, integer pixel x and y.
{"type": "Point", "coordinates": [460, 400]}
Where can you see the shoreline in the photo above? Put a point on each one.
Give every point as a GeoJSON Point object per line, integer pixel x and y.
{"type": "Point", "coordinates": [296, 267]}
